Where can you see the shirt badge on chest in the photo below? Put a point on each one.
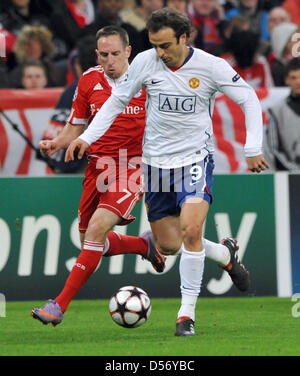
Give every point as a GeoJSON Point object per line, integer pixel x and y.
{"type": "Point", "coordinates": [194, 83]}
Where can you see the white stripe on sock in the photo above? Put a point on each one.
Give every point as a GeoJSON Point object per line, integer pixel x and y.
{"type": "Point", "coordinates": [93, 246]}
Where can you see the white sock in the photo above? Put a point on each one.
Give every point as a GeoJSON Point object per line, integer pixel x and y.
{"type": "Point", "coordinates": [191, 269]}
{"type": "Point", "coordinates": [216, 252]}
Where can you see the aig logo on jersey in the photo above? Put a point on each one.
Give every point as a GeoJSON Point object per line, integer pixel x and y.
{"type": "Point", "coordinates": [183, 104]}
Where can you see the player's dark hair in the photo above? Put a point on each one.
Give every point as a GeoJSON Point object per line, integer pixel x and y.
{"type": "Point", "coordinates": [113, 30]}
{"type": "Point", "coordinates": [86, 52]}
{"type": "Point", "coordinates": [292, 65]}
{"type": "Point", "coordinates": [168, 17]}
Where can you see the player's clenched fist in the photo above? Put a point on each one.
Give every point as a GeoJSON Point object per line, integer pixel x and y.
{"type": "Point", "coordinates": [77, 144]}
{"type": "Point", "coordinates": [257, 163]}
{"type": "Point", "coordinates": [48, 148]}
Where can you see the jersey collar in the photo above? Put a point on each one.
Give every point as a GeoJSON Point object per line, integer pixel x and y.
{"type": "Point", "coordinates": [115, 82]}
{"type": "Point", "coordinates": [185, 61]}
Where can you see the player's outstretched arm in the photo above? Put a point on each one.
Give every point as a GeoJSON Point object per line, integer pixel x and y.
{"type": "Point", "coordinates": [257, 163]}
{"type": "Point", "coordinates": [229, 82]}
{"type": "Point", "coordinates": [62, 141]}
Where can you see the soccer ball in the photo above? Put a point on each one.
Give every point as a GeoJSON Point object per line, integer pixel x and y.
{"type": "Point", "coordinates": [130, 307]}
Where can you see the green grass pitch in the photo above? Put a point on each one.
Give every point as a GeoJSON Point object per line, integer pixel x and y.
{"type": "Point", "coordinates": [261, 326]}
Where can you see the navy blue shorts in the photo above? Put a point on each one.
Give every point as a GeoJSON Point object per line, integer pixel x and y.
{"type": "Point", "coordinates": [167, 189]}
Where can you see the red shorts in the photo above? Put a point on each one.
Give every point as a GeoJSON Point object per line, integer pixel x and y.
{"type": "Point", "coordinates": [113, 185]}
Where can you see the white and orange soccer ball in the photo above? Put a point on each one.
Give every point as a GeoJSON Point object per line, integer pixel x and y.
{"type": "Point", "coordinates": [130, 307]}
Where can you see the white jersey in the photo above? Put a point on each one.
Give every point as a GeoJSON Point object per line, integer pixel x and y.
{"type": "Point", "coordinates": [180, 106]}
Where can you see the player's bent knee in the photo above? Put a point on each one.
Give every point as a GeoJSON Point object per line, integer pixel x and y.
{"type": "Point", "coordinates": [169, 248]}
{"type": "Point", "coordinates": [167, 251]}
{"type": "Point", "coordinates": [192, 233]}
{"type": "Point", "coordinates": [96, 230]}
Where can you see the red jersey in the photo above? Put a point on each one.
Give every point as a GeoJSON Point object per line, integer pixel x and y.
{"type": "Point", "coordinates": [127, 131]}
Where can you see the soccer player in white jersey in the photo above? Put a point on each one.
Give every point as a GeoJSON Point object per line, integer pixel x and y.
{"type": "Point", "coordinates": [181, 83]}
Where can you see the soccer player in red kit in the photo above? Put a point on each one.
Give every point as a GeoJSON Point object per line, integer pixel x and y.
{"type": "Point", "coordinates": [112, 185]}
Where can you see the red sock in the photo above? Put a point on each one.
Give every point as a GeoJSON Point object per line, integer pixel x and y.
{"type": "Point", "coordinates": [85, 265]}
{"type": "Point", "coordinates": [126, 244]}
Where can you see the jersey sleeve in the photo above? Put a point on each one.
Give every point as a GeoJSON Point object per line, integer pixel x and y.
{"type": "Point", "coordinates": [119, 99]}
{"type": "Point", "coordinates": [79, 114]}
{"type": "Point", "coordinates": [228, 81]}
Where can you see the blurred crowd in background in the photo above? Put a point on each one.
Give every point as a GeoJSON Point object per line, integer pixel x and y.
{"type": "Point", "coordinates": [42, 37]}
